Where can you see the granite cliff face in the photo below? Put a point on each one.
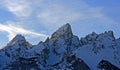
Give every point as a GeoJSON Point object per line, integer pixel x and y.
{"type": "Point", "coordinates": [63, 51]}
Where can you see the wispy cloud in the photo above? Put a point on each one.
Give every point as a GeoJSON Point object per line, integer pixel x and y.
{"type": "Point", "coordinates": [47, 14]}
{"type": "Point", "coordinates": [21, 8]}
{"type": "Point", "coordinates": [52, 14]}
{"type": "Point", "coordinates": [57, 15]}
{"type": "Point", "coordinates": [12, 30]}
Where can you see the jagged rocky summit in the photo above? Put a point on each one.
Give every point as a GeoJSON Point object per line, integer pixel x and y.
{"type": "Point", "coordinates": [63, 51]}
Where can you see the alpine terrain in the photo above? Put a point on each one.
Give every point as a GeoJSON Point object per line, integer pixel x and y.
{"type": "Point", "coordinates": [63, 51]}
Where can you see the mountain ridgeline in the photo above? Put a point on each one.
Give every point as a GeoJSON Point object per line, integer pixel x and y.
{"type": "Point", "coordinates": [63, 51]}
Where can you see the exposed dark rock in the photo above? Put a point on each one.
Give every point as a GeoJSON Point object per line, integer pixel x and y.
{"type": "Point", "coordinates": [23, 64]}
{"type": "Point", "coordinates": [106, 65]}
{"type": "Point", "coordinates": [73, 63]}
{"type": "Point", "coordinates": [64, 32]}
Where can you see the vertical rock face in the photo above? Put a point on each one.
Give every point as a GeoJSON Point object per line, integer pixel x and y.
{"type": "Point", "coordinates": [64, 32]}
{"type": "Point", "coordinates": [63, 51]}
{"type": "Point", "coordinates": [64, 36]}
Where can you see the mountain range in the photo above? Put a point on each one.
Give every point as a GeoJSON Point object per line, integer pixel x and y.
{"type": "Point", "coordinates": [63, 51]}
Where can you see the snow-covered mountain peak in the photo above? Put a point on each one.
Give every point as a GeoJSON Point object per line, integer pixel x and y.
{"type": "Point", "coordinates": [64, 32]}
{"type": "Point", "coordinates": [63, 51]}
{"type": "Point", "coordinates": [108, 34]}
{"type": "Point", "coordinates": [105, 37]}
{"type": "Point", "coordinates": [19, 40]}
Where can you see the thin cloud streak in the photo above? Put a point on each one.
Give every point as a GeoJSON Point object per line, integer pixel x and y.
{"type": "Point", "coordinates": [12, 30]}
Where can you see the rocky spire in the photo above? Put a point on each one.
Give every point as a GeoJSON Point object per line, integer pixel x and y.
{"type": "Point", "coordinates": [65, 32]}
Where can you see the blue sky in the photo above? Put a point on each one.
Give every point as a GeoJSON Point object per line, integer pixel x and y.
{"type": "Point", "coordinates": [37, 19]}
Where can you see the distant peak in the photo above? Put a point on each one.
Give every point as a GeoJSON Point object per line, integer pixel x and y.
{"type": "Point", "coordinates": [67, 25]}
{"type": "Point", "coordinates": [109, 34]}
{"type": "Point", "coordinates": [18, 38]}
{"type": "Point", "coordinates": [65, 31]}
